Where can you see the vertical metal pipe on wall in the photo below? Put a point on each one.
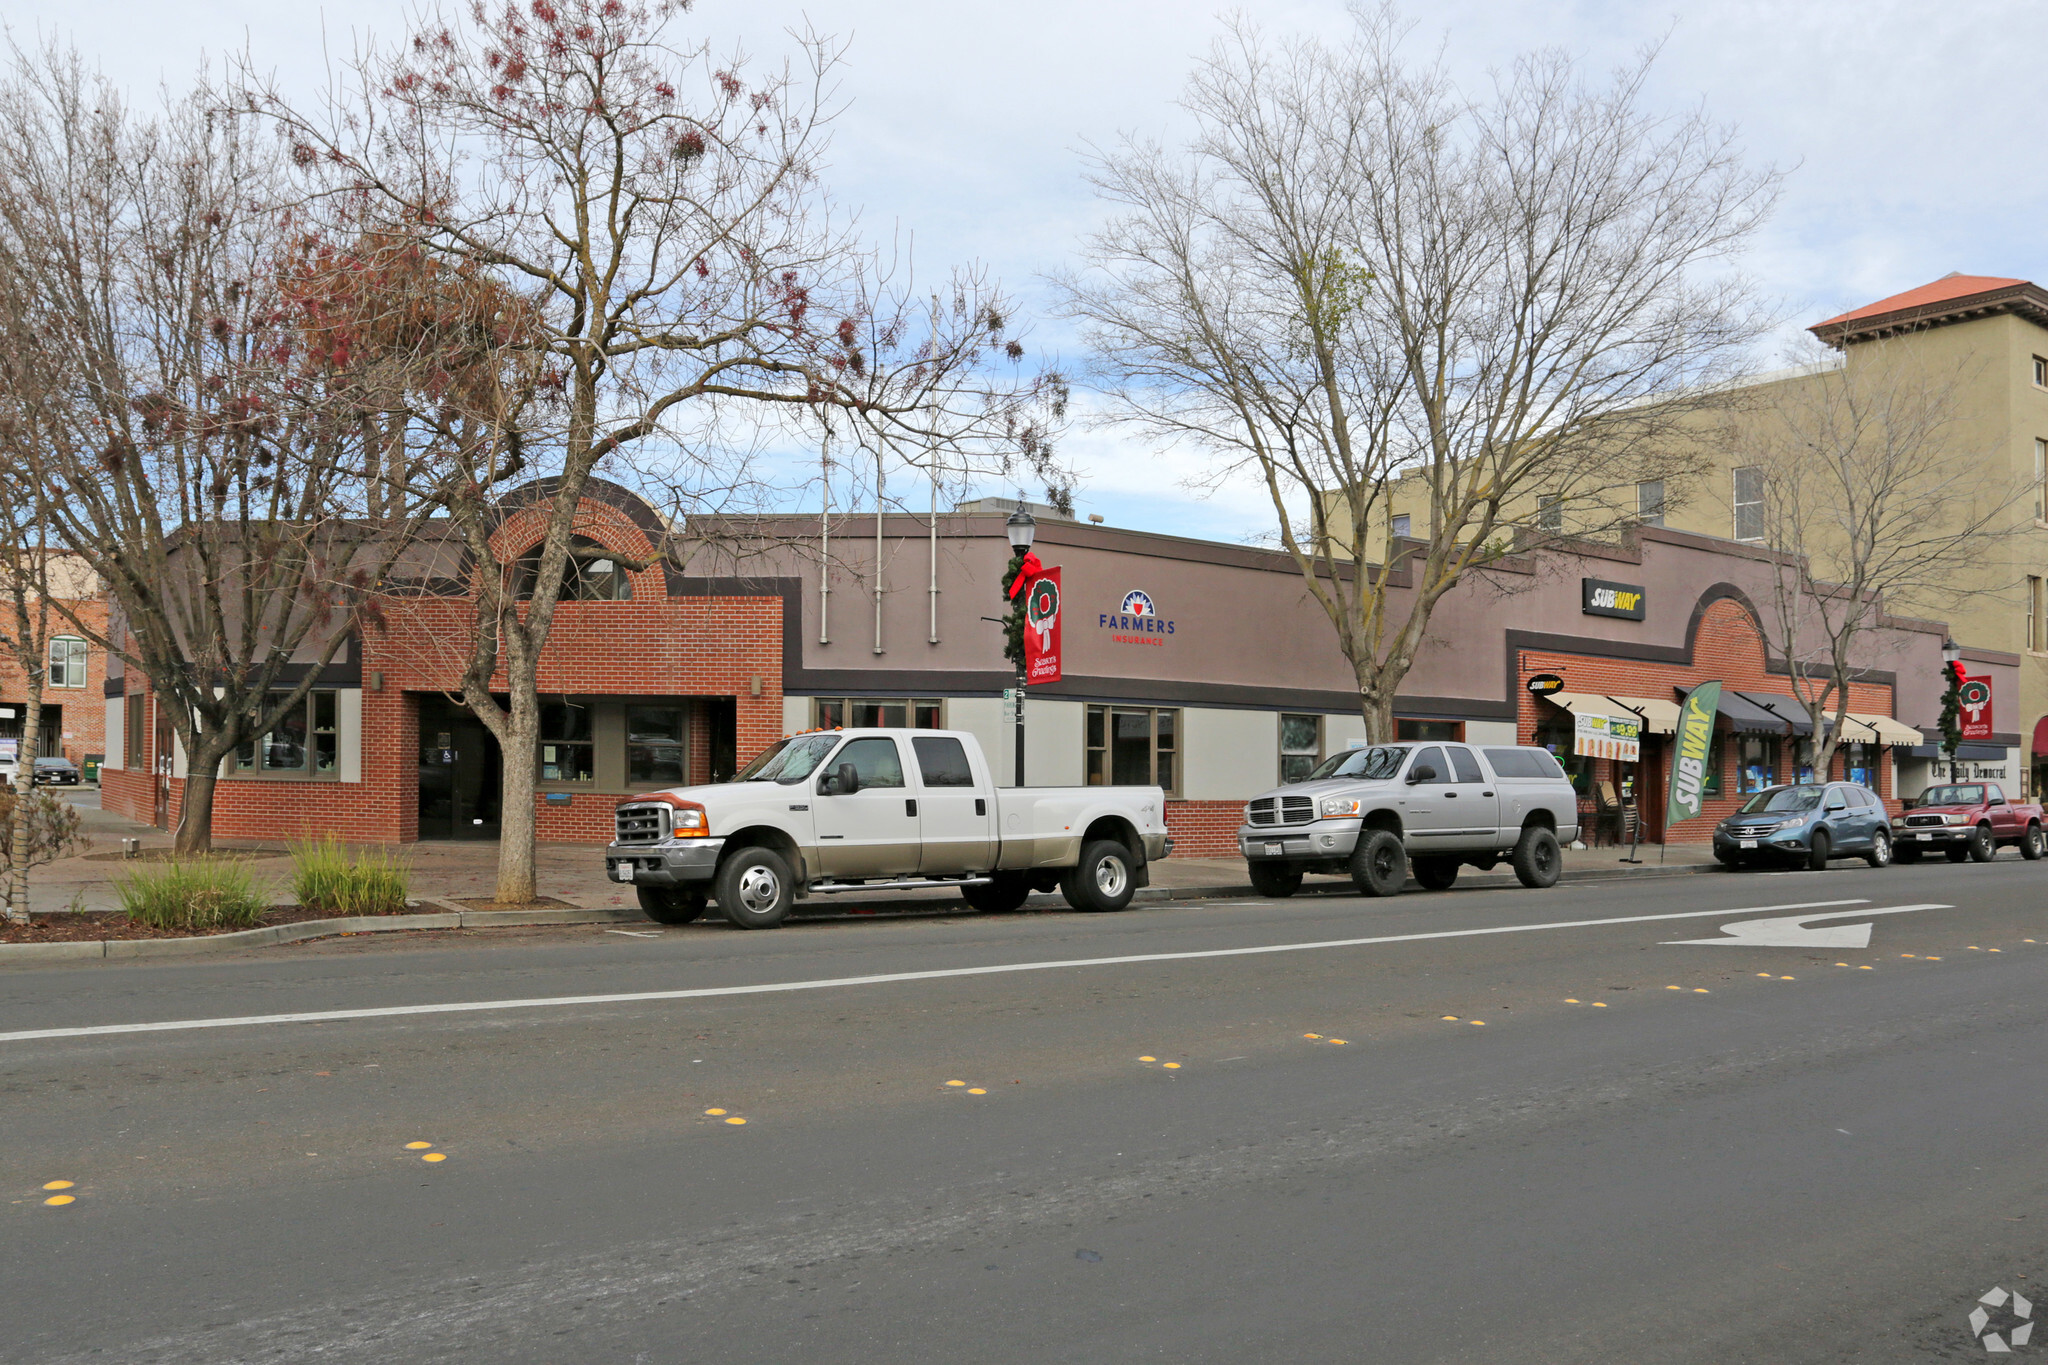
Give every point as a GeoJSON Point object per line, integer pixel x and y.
{"type": "Point", "coordinates": [825, 538]}
{"type": "Point", "coordinates": [878, 548]}
{"type": "Point", "coordinates": [933, 636]}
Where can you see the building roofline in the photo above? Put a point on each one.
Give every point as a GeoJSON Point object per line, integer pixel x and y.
{"type": "Point", "coordinates": [2020, 298]}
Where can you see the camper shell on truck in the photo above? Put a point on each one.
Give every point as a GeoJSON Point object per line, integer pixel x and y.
{"type": "Point", "coordinates": [1371, 812]}
{"type": "Point", "coordinates": [876, 809]}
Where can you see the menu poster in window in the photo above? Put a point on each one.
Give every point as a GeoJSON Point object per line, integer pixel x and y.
{"type": "Point", "coordinates": [1042, 628]}
{"type": "Point", "coordinates": [1975, 696]}
{"type": "Point", "coordinates": [1607, 737]}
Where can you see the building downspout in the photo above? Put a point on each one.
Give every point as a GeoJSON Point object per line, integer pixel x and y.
{"type": "Point", "coordinates": [825, 538]}
{"type": "Point", "coordinates": [878, 549]}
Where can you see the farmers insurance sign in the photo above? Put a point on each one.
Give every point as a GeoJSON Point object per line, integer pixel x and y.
{"type": "Point", "coordinates": [1598, 597]}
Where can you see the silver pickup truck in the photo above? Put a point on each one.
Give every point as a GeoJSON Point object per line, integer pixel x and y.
{"type": "Point", "coordinates": [1372, 812]}
{"type": "Point", "coordinates": [868, 810]}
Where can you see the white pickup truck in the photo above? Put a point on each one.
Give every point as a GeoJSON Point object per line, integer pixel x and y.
{"type": "Point", "coordinates": [868, 810]}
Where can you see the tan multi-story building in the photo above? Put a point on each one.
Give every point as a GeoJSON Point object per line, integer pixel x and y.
{"type": "Point", "coordinates": [1984, 339]}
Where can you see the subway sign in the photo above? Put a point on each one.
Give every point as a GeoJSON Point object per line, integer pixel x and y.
{"type": "Point", "coordinates": [1598, 597]}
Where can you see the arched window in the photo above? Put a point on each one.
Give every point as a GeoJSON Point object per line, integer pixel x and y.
{"type": "Point", "coordinates": [590, 575]}
{"type": "Point", "coordinates": [67, 662]}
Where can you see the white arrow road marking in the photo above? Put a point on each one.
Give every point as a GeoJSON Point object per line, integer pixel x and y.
{"type": "Point", "coordinates": [1790, 931]}
{"type": "Point", "coordinates": [776, 987]}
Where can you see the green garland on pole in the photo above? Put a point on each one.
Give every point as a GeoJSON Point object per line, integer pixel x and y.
{"type": "Point", "coordinates": [1013, 619]}
{"type": "Point", "coordinates": [1952, 714]}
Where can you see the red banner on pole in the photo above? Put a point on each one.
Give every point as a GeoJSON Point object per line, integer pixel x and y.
{"type": "Point", "coordinates": [1042, 628]}
{"type": "Point", "coordinates": [1975, 695]}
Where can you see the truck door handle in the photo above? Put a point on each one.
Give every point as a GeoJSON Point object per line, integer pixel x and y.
{"type": "Point", "coordinates": [1450, 796]}
{"type": "Point", "coordinates": [910, 807]}
{"type": "Point", "coordinates": [1486, 793]}
{"type": "Point", "coordinates": [980, 806]}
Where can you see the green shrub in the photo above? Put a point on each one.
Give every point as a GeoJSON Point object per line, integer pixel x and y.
{"type": "Point", "coordinates": [326, 876]}
{"type": "Point", "coordinates": [191, 896]}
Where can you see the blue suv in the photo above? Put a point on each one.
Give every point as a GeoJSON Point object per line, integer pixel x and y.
{"type": "Point", "coordinates": [1806, 825]}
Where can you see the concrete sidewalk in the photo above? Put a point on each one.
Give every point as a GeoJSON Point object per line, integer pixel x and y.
{"type": "Point", "coordinates": [575, 872]}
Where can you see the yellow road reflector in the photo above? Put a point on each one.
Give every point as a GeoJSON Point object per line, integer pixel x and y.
{"type": "Point", "coordinates": [417, 1146]}
{"type": "Point", "coordinates": [1148, 1059]}
{"type": "Point", "coordinates": [1994, 950]}
{"type": "Point", "coordinates": [435, 1156]}
{"type": "Point", "coordinates": [715, 1113]}
{"type": "Point", "coordinates": [57, 1200]}
{"type": "Point", "coordinates": [1905, 955]}
{"type": "Point", "coordinates": [1599, 1004]}
{"type": "Point", "coordinates": [1863, 969]}
{"type": "Point", "coordinates": [1934, 959]}
{"type": "Point", "coordinates": [1337, 1042]}
{"type": "Point", "coordinates": [1478, 1023]}
{"type": "Point", "coordinates": [977, 1090]}
{"type": "Point", "coordinates": [1570, 1001]}
{"type": "Point", "coordinates": [956, 1082]}
{"type": "Point", "coordinates": [1841, 964]}
{"type": "Point", "coordinates": [1171, 1066]}
{"type": "Point", "coordinates": [1765, 975]}
{"type": "Point", "coordinates": [1788, 978]}
{"type": "Point", "coordinates": [59, 1184]}
{"type": "Point", "coordinates": [1311, 1035]}
{"type": "Point", "coordinates": [736, 1122]}
{"type": "Point", "coordinates": [1452, 1018]}
{"type": "Point", "coordinates": [1701, 990]}
{"type": "Point", "coordinates": [1674, 988]}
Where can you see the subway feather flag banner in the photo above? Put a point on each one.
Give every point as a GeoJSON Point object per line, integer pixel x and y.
{"type": "Point", "coordinates": [1692, 747]}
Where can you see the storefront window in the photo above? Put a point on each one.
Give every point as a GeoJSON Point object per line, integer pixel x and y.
{"type": "Point", "coordinates": [654, 745]}
{"type": "Point", "coordinates": [1802, 760]}
{"type": "Point", "coordinates": [305, 739]}
{"type": "Point", "coordinates": [565, 745]}
{"type": "Point", "coordinates": [1555, 734]}
{"type": "Point", "coordinates": [1757, 761]}
{"type": "Point", "coordinates": [1421, 731]}
{"type": "Point", "coordinates": [880, 713]}
{"type": "Point", "coordinates": [1133, 746]}
{"type": "Point", "coordinates": [1860, 762]}
{"type": "Point", "coordinates": [1301, 746]}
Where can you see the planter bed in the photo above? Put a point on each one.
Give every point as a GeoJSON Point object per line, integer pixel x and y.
{"type": "Point", "coordinates": [85, 926]}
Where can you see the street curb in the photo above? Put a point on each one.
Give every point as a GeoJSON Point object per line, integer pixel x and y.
{"type": "Point", "coordinates": [130, 949]}
{"type": "Point", "coordinates": [454, 917]}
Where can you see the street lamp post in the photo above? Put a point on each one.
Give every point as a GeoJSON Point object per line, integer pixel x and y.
{"type": "Point", "coordinates": [1022, 528]}
{"type": "Point", "coordinates": [1952, 699]}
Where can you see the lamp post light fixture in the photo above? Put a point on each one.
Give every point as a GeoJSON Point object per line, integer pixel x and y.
{"type": "Point", "coordinates": [1022, 529]}
{"type": "Point", "coordinates": [1952, 698]}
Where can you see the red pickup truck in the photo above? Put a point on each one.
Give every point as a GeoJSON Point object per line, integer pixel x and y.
{"type": "Point", "coordinates": [1967, 820]}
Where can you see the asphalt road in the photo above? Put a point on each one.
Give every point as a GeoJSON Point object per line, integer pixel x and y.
{"type": "Point", "coordinates": [1785, 1159]}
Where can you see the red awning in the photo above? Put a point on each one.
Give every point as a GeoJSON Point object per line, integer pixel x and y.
{"type": "Point", "coordinates": [2041, 735]}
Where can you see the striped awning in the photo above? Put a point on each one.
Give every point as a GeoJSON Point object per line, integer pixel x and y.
{"type": "Point", "coordinates": [1880, 730]}
{"type": "Point", "coordinates": [1658, 717]}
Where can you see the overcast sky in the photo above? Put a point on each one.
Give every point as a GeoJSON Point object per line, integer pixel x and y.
{"type": "Point", "coordinates": [1908, 128]}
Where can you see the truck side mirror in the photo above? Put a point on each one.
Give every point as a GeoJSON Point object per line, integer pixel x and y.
{"type": "Point", "coordinates": [842, 781]}
{"type": "Point", "coordinates": [1421, 772]}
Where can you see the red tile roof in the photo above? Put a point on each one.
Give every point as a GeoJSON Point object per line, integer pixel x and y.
{"type": "Point", "coordinates": [1942, 290]}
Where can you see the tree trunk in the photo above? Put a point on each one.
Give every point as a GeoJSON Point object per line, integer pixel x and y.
{"type": "Point", "coordinates": [1376, 705]}
{"type": "Point", "coordinates": [195, 814]}
{"type": "Point", "coordinates": [518, 744]}
{"type": "Point", "coordinates": [24, 775]}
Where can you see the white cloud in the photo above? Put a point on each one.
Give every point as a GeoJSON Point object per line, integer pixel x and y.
{"type": "Point", "coordinates": [1912, 143]}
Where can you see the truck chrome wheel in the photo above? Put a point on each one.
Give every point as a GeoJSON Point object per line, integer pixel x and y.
{"type": "Point", "coordinates": [1102, 881]}
{"type": "Point", "coordinates": [753, 889]}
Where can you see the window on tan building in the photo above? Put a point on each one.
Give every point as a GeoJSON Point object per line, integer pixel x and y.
{"type": "Point", "coordinates": [1133, 746]}
{"type": "Point", "coordinates": [1650, 502]}
{"type": "Point", "coordinates": [2040, 479]}
{"type": "Point", "coordinates": [1748, 501]}
{"type": "Point", "coordinates": [2041, 371]}
{"type": "Point", "coordinates": [2034, 606]}
{"type": "Point", "coordinates": [1549, 513]}
{"type": "Point", "coordinates": [136, 749]}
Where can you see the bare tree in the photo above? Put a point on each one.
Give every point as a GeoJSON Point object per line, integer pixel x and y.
{"type": "Point", "coordinates": [661, 214]}
{"type": "Point", "coordinates": [1863, 511]}
{"type": "Point", "coordinates": [38, 827]}
{"type": "Point", "coordinates": [1352, 273]}
{"type": "Point", "coordinates": [175, 386]}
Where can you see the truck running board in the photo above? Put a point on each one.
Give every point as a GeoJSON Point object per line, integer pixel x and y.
{"type": "Point", "coordinates": [828, 888]}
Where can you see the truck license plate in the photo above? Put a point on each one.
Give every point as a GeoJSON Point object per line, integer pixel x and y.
{"type": "Point", "coordinates": [1927, 838]}
{"type": "Point", "coordinates": [623, 871]}
{"type": "Point", "coordinates": [1275, 850]}
{"type": "Point", "coordinates": [1745, 843]}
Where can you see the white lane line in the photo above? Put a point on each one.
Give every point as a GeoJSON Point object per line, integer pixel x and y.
{"type": "Point", "coordinates": [777, 987]}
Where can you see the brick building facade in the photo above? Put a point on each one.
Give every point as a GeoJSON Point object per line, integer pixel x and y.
{"type": "Point", "coordinates": [74, 721]}
{"type": "Point", "coordinates": [742, 632]}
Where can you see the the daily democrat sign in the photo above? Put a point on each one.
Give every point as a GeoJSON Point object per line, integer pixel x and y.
{"type": "Point", "coordinates": [1598, 597]}
{"type": "Point", "coordinates": [1694, 745]}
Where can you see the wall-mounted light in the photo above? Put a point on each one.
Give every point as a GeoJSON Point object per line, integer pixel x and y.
{"type": "Point", "coordinates": [376, 682]}
{"type": "Point", "coordinates": [754, 685]}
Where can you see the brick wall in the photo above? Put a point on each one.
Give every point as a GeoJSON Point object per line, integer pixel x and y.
{"type": "Point", "coordinates": [82, 726]}
{"type": "Point", "coordinates": [651, 645]}
{"type": "Point", "coordinates": [1204, 829]}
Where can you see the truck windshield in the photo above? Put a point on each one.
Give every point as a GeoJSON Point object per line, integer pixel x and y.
{"type": "Point", "coordinates": [1969, 795]}
{"type": "Point", "coordinates": [1782, 799]}
{"type": "Point", "coordinates": [1376, 764]}
{"type": "Point", "coordinates": [792, 760]}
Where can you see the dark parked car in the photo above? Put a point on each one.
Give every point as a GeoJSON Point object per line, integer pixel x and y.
{"type": "Point", "coordinates": [1806, 825]}
{"type": "Point", "coordinates": [55, 772]}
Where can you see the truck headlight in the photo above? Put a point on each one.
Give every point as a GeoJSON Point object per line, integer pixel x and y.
{"type": "Point", "coordinates": [1955, 819]}
{"type": "Point", "coordinates": [1340, 806]}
